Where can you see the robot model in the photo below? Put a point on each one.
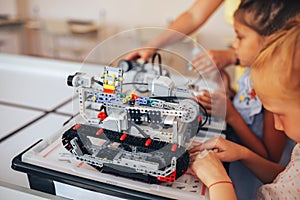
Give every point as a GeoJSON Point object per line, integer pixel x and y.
{"type": "Point", "coordinates": [139, 137]}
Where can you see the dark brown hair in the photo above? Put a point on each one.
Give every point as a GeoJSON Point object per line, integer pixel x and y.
{"type": "Point", "coordinates": [266, 16]}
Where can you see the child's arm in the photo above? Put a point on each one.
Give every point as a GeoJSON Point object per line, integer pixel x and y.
{"type": "Point", "coordinates": [273, 139]}
{"type": "Point", "coordinates": [244, 133]}
{"type": "Point", "coordinates": [211, 172]}
{"type": "Point", "coordinates": [233, 118]}
{"type": "Point", "coordinates": [228, 151]}
{"type": "Point", "coordinates": [221, 58]}
{"type": "Point", "coordinates": [262, 168]}
{"type": "Point", "coordinates": [273, 142]}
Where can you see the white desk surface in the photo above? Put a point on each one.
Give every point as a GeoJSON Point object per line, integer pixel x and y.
{"type": "Point", "coordinates": [23, 139]}
{"type": "Point", "coordinates": [69, 108]}
{"type": "Point", "coordinates": [13, 118]}
{"type": "Point", "coordinates": [35, 82]}
{"type": "Point", "coordinates": [31, 89]}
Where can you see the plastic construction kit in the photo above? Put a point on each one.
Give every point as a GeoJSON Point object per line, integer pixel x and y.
{"type": "Point", "coordinates": [140, 137]}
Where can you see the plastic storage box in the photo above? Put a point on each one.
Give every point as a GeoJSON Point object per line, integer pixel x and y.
{"type": "Point", "coordinates": [49, 166]}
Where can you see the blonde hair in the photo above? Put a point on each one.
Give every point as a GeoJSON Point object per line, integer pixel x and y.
{"type": "Point", "coordinates": [276, 71]}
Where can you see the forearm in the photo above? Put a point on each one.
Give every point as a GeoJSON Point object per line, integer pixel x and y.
{"type": "Point", "coordinates": [231, 58]}
{"type": "Point", "coordinates": [262, 168]}
{"type": "Point", "coordinates": [186, 23]}
{"type": "Point", "coordinates": [210, 170]}
{"type": "Point", "coordinates": [274, 140]}
{"type": "Point", "coordinates": [182, 26]}
{"type": "Point", "coordinates": [246, 136]}
{"type": "Point", "coordinates": [222, 191]}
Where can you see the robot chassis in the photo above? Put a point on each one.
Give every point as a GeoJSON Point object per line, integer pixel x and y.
{"type": "Point", "coordinates": [139, 137]}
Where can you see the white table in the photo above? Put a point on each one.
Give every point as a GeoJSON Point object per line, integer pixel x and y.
{"type": "Point", "coordinates": [31, 91]}
{"type": "Point", "coordinates": [35, 83]}
{"type": "Point", "coordinates": [13, 118]}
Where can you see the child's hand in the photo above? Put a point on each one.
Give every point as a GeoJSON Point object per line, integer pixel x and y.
{"type": "Point", "coordinates": [215, 103]}
{"type": "Point", "coordinates": [225, 150]}
{"type": "Point", "coordinates": [208, 168]}
{"type": "Point", "coordinates": [143, 54]}
{"type": "Point", "coordinates": [220, 58]}
{"type": "Point", "coordinates": [205, 100]}
{"type": "Point", "coordinates": [202, 63]}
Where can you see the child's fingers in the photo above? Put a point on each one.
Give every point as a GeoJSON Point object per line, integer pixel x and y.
{"type": "Point", "coordinates": [193, 157]}
{"type": "Point", "coordinates": [206, 94]}
{"type": "Point", "coordinates": [202, 64]}
{"type": "Point", "coordinates": [204, 97]}
{"type": "Point", "coordinates": [195, 149]}
{"type": "Point", "coordinates": [207, 106]}
{"type": "Point", "coordinates": [205, 101]}
{"type": "Point", "coordinates": [212, 144]}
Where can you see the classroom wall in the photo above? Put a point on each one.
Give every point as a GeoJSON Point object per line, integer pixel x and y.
{"type": "Point", "coordinates": [122, 14]}
{"type": "Point", "coordinates": [8, 7]}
